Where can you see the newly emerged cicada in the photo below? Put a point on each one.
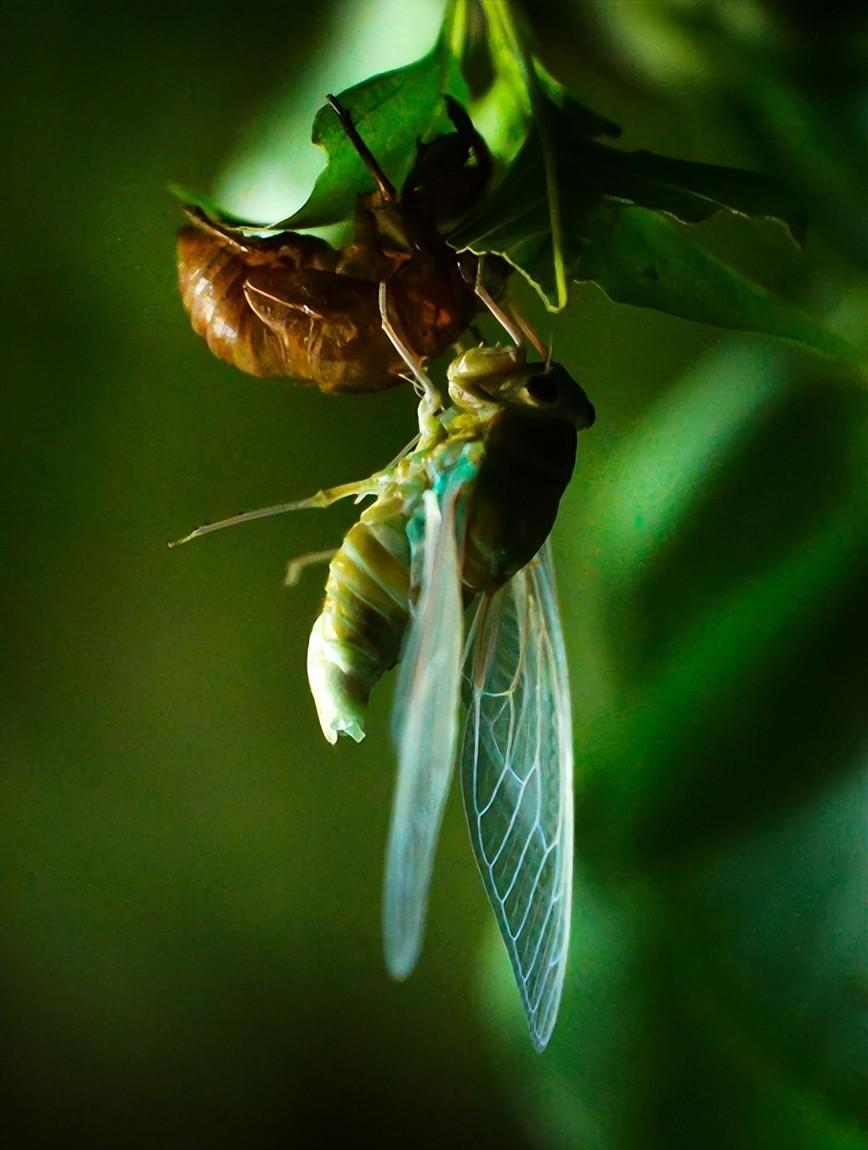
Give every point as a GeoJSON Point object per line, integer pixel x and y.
{"type": "Point", "coordinates": [289, 304]}
{"type": "Point", "coordinates": [449, 572]}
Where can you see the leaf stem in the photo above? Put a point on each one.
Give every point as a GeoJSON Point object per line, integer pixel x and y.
{"type": "Point", "coordinates": [503, 15]}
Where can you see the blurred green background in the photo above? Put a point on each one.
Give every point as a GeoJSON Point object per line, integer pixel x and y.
{"type": "Point", "coordinates": [191, 877]}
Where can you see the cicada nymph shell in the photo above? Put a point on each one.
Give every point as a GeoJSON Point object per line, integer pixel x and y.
{"type": "Point", "coordinates": [291, 305]}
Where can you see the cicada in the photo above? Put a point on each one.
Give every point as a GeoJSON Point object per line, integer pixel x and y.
{"type": "Point", "coordinates": [289, 304]}
{"type": "Point", "coordinates": [448, 572]}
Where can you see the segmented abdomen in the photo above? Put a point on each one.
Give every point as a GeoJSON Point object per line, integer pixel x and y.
{"type": "Point", "coordinates": [358, 634]}
{"type": "Point", "coordinates": [281, 307]}
{"type": "Point", "coordinates": [211, 278]}
{"type": "Point", "coordinates": [291, 305]}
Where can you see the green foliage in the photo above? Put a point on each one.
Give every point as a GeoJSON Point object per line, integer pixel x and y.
{"type": "Point", "coordinates": [640, 257]}
{"type": "Point", "coordinates": [191, 880]}
{"type": "Point", "coordinates": [565, 206]}
{"type": "Point", "coordinates": [562, 212]}
{"type": "Point", "coordinates": [391, 112]}
{"type": "Point", "coordinates": [718, 568]}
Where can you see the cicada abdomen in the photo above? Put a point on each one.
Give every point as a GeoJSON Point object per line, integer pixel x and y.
{"type": "Point", "coordinates": [358, 634]}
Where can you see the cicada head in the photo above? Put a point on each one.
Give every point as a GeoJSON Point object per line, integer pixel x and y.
{"type": "Point", "coordinates": [485, 380]}
{"type": "Point", "coordinates": [475, 376]}
{"type": "Point", "coordinates": [550, 392]}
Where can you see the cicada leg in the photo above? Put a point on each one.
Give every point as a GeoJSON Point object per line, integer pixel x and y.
{"type": "Point", "coordinates": [509, 317]}
{"type": "Point", "coordinates": [430, 401]}
{"type": "Point", "coordinates": [295, 567]}
{"type": "Point", "coordinates": [503, 317]}
{"type": "Point", "coordinates": [324, 498]}
{"type": "Point", "coordinates": [226, 238]}
{"type": "Point", "coordinates": [532, 336]}
{"type": "Point", "coordinates": [368, 255]}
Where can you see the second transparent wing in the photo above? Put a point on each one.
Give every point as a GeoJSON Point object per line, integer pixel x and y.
{"type": "Point", "coordinates": [425, 731]}
{"type": "Point", "coordinates": [517, 779]}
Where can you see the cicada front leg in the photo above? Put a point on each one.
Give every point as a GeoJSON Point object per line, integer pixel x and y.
{"type": "Point", "coordinates": [430, 399]}
{"type": "Point", "coordinates": [320, 499]}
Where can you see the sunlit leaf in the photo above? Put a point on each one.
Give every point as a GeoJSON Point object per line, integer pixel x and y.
{"type": "Point", "coordinates": [484, 39]}
{"type": "Point", "coordinates": [213, 211]}
{"type": "Point", "coordinates": [392, 112]}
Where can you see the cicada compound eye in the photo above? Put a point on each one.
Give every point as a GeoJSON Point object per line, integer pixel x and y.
{"type": "Point", "coordinates": [543, 389]}
{"type": "Point", "coordinates": [554, 393]}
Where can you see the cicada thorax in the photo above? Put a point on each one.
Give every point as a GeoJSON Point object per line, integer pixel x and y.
{"type": "Point", "coordinates": [528, 416]}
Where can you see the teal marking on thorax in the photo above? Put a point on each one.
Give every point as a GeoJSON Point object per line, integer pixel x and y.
{"type": "Point", "coordinates": [455, 470]}
{"type": "Point", "coordinates": [461, 471]}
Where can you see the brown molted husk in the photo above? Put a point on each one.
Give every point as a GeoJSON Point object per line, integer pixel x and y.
{"type": "Point", "coordinates": [278, 307]}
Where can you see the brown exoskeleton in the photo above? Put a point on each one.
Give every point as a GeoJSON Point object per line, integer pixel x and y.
{"type": "Point", "coordinates": [292, 305]}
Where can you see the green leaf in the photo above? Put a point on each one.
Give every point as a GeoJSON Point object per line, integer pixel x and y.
{"type": "Point", "coordinates": [213, 211]}
{"type": "Point", "coordinates": [584, 122]}
{"type": "Point", "coordinates": [503, 109]}
{"type": "Point", "coordinates": [636, 255]}
{"type": "Point", "coordinates": [699, 190]}
{"type": "Point", "coordinates": [642, 258]}
{"type": "Point", "coordinates": [562, 198]}
{"type": "Point", "coordinates": [391, 111]}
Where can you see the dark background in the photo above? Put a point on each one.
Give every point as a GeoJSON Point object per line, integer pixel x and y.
{"type": "Point", "coordinates": [191, 878]}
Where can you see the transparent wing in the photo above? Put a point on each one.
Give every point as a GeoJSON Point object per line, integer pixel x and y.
{"type": "Point", "coordinates": [425, 731]}
{"type": "Point", "coordinates": [517, 778]}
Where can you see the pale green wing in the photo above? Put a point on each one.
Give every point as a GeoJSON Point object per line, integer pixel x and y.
{"type": "Point", "coordinates": [517, 778]}
{"type": "Point", "coordinates": [425, 732]}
